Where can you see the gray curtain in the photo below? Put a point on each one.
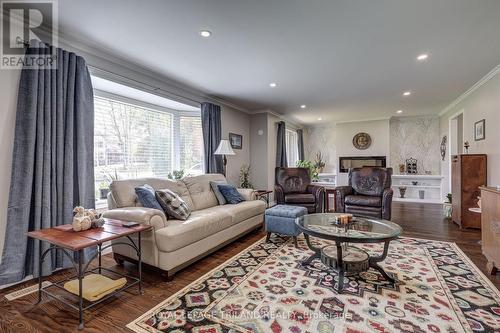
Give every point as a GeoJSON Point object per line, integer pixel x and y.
{"type": "Point", "coordinates": [281, 146]}
{"type": "Point", "coordinates": [53, 159]}
{"type": "Point", "coordinates": [300, 142]}
{"type": "Point", "coordinates": [211, 127]}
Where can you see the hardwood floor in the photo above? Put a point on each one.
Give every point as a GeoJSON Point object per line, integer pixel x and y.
{"type": "Point", "coordinates": [20, 315]}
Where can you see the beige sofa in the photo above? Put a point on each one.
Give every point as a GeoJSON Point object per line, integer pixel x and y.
{"type": "Point", "coordinates": [174, 244]}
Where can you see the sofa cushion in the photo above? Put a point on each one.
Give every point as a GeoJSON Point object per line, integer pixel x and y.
{"type": "Point", "coordinates": [231, 194]}
{"type": "Point", "coordinates": [123, 191]}
{"type": "Point", "coordinates": [146, 196]}
{"type": "Point", "coordinates": [201, 224]}
{"type": "Point", "coordinates": [214, 185]}
{"type": "Point", "coordinates": [173, 205]}
{"type": "Point", "coordinates": [204, 223]}
{"type": "Point", "coordinates": [200, 191]}
{"type": "Point", "coordinates": [300, 198]}
{"type": "Point", "coordinates": [363, 200]}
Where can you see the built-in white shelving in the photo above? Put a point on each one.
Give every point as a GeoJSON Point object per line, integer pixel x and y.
{"type": "Point", "coordinates": [431, 185]}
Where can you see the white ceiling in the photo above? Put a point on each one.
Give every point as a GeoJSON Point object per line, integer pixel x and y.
{"type": "Point", "coordinates": [346, 60]}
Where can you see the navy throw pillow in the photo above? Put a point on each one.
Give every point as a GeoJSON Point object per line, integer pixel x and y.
{"type": "Point", "coordinates": [230, 193]}
{"type": "Point", "coordinates": [147, 198]}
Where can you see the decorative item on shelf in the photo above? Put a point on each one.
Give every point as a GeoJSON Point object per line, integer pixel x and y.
{"type": "Point", "coordinates": [402, 191]}
{"type": "Point", "coordinates": [428, 172]}
{"type": "Point", "coordinates": [236, 141]}
{"type": "Point", "coordinates": [480, 130]}
{"type": "Point", "coordinates": [362, 141]}
{"type": "Point", "coordinates": [411, 166]}
{"type": "Point", "coordinates": [414, 183]}
{"type": "Point", "coordinates": [319, 163]}
{"type": "Point", "coordinates": [421, 194]}
{"type": "Point", "coordinates": [444, 140]}
{"type": "Point", "coordinates": [245, 176]}
{"type": "Point", "coordinates": [401, 169]}
{"type": "Point", "coordinates": [85, 219]}
{"type": "Point", "coordinates": [224, 149]}
{"type": "Point", "coordinates": [466, 146]}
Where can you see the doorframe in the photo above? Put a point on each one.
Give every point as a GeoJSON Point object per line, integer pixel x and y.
{"type": "Point", "coordinates": [461, 112]}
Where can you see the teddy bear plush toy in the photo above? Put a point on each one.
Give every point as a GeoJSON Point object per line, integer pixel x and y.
{"type": "Point", "coordinates": [85, 219]}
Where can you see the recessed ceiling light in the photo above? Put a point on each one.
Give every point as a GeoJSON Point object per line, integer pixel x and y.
{"type": "Point", "coordinates": [399, 111]}
{"type": "Point", "coordinates": [407, 93]}
{"type": "Point", "coordinates": [320, 118]}
{"type": "Point", "coordinates": [272, 84]}
{"type": "Point", "coordinates": [303, 106]}
{"type": "Point", "coordinates": [205, 33]}
{"type": "Point", "coordinates": [423, 57]}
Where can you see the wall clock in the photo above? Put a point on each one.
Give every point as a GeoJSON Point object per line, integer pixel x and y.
{"type": "Point", "coordinates": [443, 147]}
{"type": "Point", "coordinates": [362, 141]}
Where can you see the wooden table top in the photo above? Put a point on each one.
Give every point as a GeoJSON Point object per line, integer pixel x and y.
{"type": "Point", "coordinates": [65, 237]}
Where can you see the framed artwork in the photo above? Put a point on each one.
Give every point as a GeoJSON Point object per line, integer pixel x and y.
{"type": "Point", "coordinates": [480, 130]}
{"type": "Point", "coordinates": [236, 141]}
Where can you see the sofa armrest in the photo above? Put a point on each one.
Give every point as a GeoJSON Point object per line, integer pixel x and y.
{"type": "Point", "coordinates": [387, 204]}
{"type": "Point", "coordinates": [340, 193]}
{"type": "Point", "coordinates": [247, 193]}
{"type": "Point", "coordinates": [319, 195]}
{"type": "Point", "coordinates": [279, 194]}
{"type": "Point", "coordinates": [150, 216]}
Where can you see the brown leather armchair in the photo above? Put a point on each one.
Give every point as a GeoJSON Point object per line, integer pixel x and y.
{"type": "Point", "coordinates": [293, 187]}
{"type": "Point", "coordinates": [369, 193]}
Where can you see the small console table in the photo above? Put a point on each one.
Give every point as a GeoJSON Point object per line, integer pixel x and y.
{"type": "Point", "coordinates": [69, 242]}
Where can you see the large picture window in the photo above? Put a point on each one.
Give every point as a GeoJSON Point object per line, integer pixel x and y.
{"type": "Point", "coordinates": [133, 139]}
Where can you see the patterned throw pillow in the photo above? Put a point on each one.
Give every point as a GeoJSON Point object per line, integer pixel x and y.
{"type": "Point", "coordinates": [215, 187]}
{"type": "Point", "coordinates": [173, 205]}
{"type": "Point", "coordinates": [146, 196]}
{"type": "Point", "coordinates": [231, 194]}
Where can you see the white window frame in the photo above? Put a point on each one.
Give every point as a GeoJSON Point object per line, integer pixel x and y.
{"type": "Point", "coordinates": [176, 116]}
{"type": "Point", "coordinates": [295, 154]}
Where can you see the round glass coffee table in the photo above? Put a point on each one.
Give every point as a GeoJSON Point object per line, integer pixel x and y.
{"type": "Point", "coordinates": [343, 257]}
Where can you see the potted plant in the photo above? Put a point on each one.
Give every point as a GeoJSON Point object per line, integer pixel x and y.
{"type": "Point", "coordinates": [103, 190]}
{"type": "Point", "coordinates": [176, 175]}
{"type": "Point", "coordinates": [245, 176]}
{"type": "Point", "coordinates": [448, 197]}
{"type": "Point", "coordinates": [313, 171]}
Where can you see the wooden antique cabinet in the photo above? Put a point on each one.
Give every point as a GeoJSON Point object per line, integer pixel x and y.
{"type": "Point", "coordinates": [468, 173]}
{"type": "Point", "coordinates": [490, 231]}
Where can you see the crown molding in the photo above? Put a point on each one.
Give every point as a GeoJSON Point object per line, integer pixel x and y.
{"type": "Point", "coordinates": [469, 91]}
{"type": "Point", "coordinates": [280, 116]}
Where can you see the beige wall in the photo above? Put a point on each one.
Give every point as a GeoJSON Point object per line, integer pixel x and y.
{"type": "Point", "coordinates": [482, 103]}
{"type": "Point", "coordinates": [234, 121]}
{"type": "Point", "coordinates": [9, 82]}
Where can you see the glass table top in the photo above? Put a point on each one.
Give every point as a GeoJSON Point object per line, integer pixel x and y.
{"type": "Point", "coordinates": [361, 228]}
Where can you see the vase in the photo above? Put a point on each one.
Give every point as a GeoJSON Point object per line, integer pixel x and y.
{"type": "Point", "coordinates": [402, 192]}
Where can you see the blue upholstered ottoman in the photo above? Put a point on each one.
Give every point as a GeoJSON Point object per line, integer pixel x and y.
{"type": "Point", "coordinates": [280, 219]}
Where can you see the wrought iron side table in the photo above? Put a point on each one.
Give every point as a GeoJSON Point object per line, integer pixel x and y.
{"type": "Point", "coordinates": [263, 195]}
{"type": "Point", "coordinates": [63, 238]}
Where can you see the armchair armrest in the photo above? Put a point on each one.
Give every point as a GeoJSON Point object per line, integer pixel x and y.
{"type": "Point", "coordinates": [150, 216]}
{"type": "Point", "coordinates": [387, 204]}
{"type": "Point", "coordinates": [279, 194]}
{"type": "Point", "coordinates": [340, 193]}
{"type": "Point", "coordinates": [247, 193]}
{"type": "Point", "coordinates": [319, 195]}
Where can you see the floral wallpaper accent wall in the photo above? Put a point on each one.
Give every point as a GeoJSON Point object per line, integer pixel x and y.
{"type": "Point", "coordinates": [416, 137]}
{"type": "Point", "coordinates": [322, 138]}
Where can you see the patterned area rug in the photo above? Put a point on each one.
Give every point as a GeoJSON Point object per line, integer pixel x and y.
{"type": "Point", "coordinates": [266, 289]}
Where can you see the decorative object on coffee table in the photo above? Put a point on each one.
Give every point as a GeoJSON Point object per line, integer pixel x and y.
{"type": "Point", "coordinates": [411, 166]}
{"type": "Point", "coordinates": [402, 191]}
{"type": "Point", "coordinates": [362, 141]}
{"type": "Point", "coordinates": [343, 257]}
{"type": "Point", "coordinates": [281, 220]}
{"type": "Point", "coordinates": [480, 130]}
{"type": "Point", "coordinates": [64, 239]}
